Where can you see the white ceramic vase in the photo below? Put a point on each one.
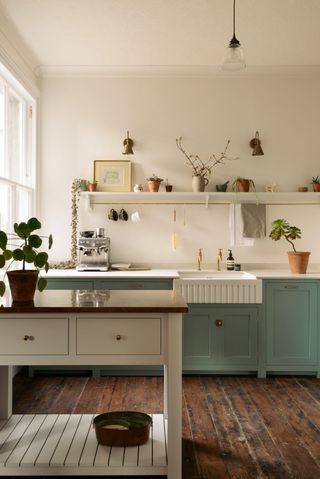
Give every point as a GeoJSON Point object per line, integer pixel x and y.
{"type": "Point", "coordinates": [199, 183]}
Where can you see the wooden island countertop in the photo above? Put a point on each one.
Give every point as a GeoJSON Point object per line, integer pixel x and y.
{"type": "Point", "coordinates": [98, 301]}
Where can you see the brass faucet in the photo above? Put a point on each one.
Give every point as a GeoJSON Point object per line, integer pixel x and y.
{"type": "Point", "coordinates": [219, 260]}
{"type": "Point", "coordinates": [199, 259]}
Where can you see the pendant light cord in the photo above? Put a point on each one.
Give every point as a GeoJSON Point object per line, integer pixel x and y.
{"type": "Point", "coordinates": [234, 18]}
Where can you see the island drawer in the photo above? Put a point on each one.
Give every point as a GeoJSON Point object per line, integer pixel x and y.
{"type": "Point", "coordinates": [125, 335]}
{"type": "Point", "coordinates": [30, 336]}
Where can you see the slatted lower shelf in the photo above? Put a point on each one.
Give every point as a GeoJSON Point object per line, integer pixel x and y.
{"type": "Point", "coordinates": [53, 444]}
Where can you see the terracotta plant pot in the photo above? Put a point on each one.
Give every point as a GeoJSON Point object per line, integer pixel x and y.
{"type": "Point", "coordinates": [168, 188]}
{"type": "Point", "coordinates": [316, 187]}
{"type": "Point", "coordinates": [153, 185]}
{"type": "Point", "coordinates": [243, 186]}
{"type": "Point", "coordinates": [92, 187]}
{"type": "Point", "coordinates": [23, 284]}
{"type": "Point", "coordinates": [298, 261]}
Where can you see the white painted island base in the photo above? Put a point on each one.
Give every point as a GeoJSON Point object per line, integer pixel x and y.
{"type": "Point", "coordinates": [66, 444]}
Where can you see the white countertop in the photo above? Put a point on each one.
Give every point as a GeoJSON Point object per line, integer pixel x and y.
{"type": "Point", "coordinates": [268, 273]}
{"type": "Point", "coordinates": [74, 274]}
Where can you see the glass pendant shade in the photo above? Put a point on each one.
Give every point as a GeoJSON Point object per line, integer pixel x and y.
{"type": "Point", "coordinates": [234, 59]}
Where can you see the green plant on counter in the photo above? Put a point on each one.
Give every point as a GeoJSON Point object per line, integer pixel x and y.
{"type": "Point", "coordinates": [22, 245]}
{"type": "Point", "coordinates": [315, 180]}
{"type": "Point", "coordinates": [282, 229]}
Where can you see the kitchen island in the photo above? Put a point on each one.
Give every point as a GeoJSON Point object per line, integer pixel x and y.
{"type": "Point", "coordinates": [99, 327]}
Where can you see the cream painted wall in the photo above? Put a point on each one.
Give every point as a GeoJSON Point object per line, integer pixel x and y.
{"type": "Point", "coordinates": [86, 119]}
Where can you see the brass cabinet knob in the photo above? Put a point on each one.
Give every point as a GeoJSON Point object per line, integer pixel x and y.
{"type": "Point", "coordinates": [218, 322]}
{"type": "Point", "coordinates": [118, 337]}
{"type": "Point", "coordinates": [28, 337]}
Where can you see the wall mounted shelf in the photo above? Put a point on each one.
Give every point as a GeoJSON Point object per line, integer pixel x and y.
{"type": "Point", "coordinates": [205, 198]}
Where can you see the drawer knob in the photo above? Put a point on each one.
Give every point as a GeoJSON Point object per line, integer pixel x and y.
{"type": "Point", "coordinates": [118, 337]}
{"type": "Point", "coordinates": [28, 337]}
{"type": "Point", "coordinates": [218, 322]}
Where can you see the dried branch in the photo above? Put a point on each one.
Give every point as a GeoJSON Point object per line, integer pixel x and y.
{"type": "Point", "coordinates": [200, 168]}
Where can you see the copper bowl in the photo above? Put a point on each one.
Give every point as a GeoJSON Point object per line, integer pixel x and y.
{"type": "Point", "coordinates": [122, 428]}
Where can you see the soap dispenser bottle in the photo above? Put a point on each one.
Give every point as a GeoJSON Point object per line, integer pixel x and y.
{"type": "Point", "coordinates": [230, 261]}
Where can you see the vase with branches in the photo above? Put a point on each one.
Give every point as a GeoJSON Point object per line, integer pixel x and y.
{"type": "Point", "coordinates": [201, 170]}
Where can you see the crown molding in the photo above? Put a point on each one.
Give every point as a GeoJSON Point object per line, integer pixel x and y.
{"type": "Point", "coordinates": [170, 71]}
{"type": "Point", "coordinates": [16, 57]}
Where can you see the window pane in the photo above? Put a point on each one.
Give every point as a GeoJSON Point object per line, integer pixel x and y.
{"type": "Point", "coordinates": [23, 205]}
{"type": "Point", "coordinates": [2, 166]}
{"type": "Point", "coordinates": [15, 137]}
{"type": "Point", "coordinates": [5, 207]}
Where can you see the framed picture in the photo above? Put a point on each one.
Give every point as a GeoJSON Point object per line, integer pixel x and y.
{"type": "Point", "coordinates": [112, 175]}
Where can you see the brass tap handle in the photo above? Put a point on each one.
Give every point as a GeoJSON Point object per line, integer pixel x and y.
{"type": "Point", "coordinates": [218, 322]}
{"type": "Point", "coordinates": [199, 259]}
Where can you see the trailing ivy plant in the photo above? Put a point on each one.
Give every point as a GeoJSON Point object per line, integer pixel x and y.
{"type": "Point", "coordinates": [22, 245]}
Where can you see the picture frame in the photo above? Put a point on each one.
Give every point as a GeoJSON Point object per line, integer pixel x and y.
{"type": "Point", "coordinates": [112, 175]}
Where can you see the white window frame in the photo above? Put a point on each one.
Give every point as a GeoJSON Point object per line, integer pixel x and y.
{"type": "Point", "coordinates": [28, 141]}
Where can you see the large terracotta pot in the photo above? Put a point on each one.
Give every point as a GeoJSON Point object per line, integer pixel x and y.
{"type": "Point", "coordinates": [23, 284]}
{"type": "Point", "coordinates": [298, 261]}
{"type": "Point", "coordinates": [316, 187]}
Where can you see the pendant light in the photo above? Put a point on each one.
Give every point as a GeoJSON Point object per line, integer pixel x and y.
{"type": "Point", "coordinates": [234, 60]}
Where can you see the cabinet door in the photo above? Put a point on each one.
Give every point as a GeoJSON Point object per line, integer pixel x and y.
{"type": "Point", "coordinates": [291, 321]}
{"type": "Point", "coordinates": [236, 337]}
{"type": "Point", "coordinates": [197, 339]}
{"type": "Point", "coordinates": [223, 338]}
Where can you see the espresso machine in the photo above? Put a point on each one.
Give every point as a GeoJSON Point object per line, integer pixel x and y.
{"type": "Point", "coordinates": [93, 251]}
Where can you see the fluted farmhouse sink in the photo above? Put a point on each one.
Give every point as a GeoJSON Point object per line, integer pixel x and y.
{"type": "Point", "coordinates": [228, 287]}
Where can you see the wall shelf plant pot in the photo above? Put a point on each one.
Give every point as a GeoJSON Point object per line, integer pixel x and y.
{"type": "Point", "coordinates": [298, 261]}
{"type": "Point", "coordinates": [23, 284]}
{"type": "Point", "coordinates": [154, 186]}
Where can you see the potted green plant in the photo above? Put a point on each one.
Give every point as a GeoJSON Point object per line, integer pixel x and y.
{"type": "Point", "coordinates": [243, 185]}
{"type": "Point", "coordinates": [22, 245]}
{"type": "Point", "coordinates": [316, 183]}
{"type": "Point", "coordinates": [92, 186]}
{"type": "Point", "coordinates": [154, 183]}
{"type": "Point", "coordinates": [298, 260]}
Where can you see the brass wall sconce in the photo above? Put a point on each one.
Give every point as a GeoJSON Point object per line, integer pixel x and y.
{"type": "Point", "coordinates": [127, 144]}
{"type": "Point", "coordinates": [255, 144]}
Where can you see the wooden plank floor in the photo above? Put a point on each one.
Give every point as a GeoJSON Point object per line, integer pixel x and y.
{"type": "Point", "coordinates": [233, 427]}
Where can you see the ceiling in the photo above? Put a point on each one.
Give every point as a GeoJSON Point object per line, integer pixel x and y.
{"type": "Point", "coordinates": [164, 32]}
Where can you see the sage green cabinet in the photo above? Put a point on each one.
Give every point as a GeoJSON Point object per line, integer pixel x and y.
{"type": "Point", "coordinates": [220, 338]}
{"type": "Point", "coordinates": [70, 283]}
{"type": "Point", "coordinates": [117, 283]}
{"type": "Point", "coordinates": [291, 325]}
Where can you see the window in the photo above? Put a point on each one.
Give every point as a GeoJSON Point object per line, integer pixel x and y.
{"type": "Point", "coordinates": [17, 165]}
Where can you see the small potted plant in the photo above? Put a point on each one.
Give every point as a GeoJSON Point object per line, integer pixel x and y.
{"type": "Point", "coordinates": [154, 183]}
{"type": "Point", "coordinates": [23, 245]}
{"type": "Point", "coordinates": [168, 187]}
{"type": "Point", "coordinates": [298, 260]}
{"type": "Point", "coordinates": [316, 183]}
{"type": "Point", "coordinates": [92, 186]}
{"type": "Point", "coordinates": [243, 185]}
